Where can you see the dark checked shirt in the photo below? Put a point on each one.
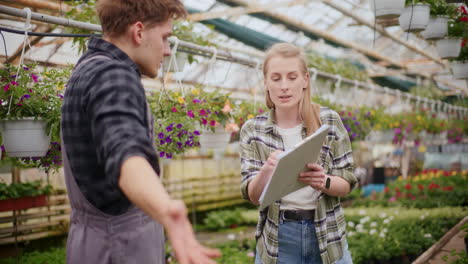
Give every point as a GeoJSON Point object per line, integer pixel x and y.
{"type": "Point", "coordinates": [105, 120]}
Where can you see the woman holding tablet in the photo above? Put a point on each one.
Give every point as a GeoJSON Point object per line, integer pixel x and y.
{"type": "Point", "coordinates": [306, 226]}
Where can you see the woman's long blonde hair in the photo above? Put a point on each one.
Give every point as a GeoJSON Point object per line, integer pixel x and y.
{"type": "Point", "coordinates": [310, 113]}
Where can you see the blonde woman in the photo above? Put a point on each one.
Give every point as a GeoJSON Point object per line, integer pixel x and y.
{"type": "Point", "coordinates": [306, 226]}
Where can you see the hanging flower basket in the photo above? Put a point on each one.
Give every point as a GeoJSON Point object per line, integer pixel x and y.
{"type": "Point", "coordinates": [448, 47]}
{"type": "Point", "coordinates": [460, 69]}
{"type": "Point", "coordinates": [415, 17]}
{"type": "Point", "coordinates": [25, 137]}
{"type": "Point", "coordinates": [385, 9]}
{"type": "Point", "coordinates": [23, 203]}
{"type": "Point", "coordinates": [436, 28]}
{"type": "Point", "coordinates": [180, 59]}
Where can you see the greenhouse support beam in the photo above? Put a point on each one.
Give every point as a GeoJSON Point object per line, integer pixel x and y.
{"type": "Point", "coordinates": [40, 4]}
{"type": "Point", "coordinates": [223, 54]}
{"type": "Point", "coordinates": [382, 31]}
{"type": "Point", "coordinates": [235, 11]}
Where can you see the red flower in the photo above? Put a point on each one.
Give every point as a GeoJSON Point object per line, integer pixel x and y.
{"type": "Point", "coordinates": [421, 187]}
{"type": "Point", "coordinates": [433, 186]}
{"type": "Point", "coordinates": [464, 18]}
{"type": "Point", "coordinates": [408, 186]}
{"type": "Point", "coordinates": [398, 194]}
{"type": "Point", "coordinates": [448, 188]}
{"type": "Point", "coordinates": [446, 173]}
{"type": "Point", "coordinates": [386, 190]}
{"type": "Point", "coordinates": [397, 189]}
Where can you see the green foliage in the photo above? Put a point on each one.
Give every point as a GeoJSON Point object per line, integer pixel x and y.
{"type": "Point", "coordinates": [335, 66]}
{"type": "Point", "coordinates": [460, 255]}
{"type": "Point", "coordinates": [229, 219]}
{"type": "Point", "coordinates": [85, 12]}
{"type": "Point", "coordinates": [458, 23]}
{"type": "Point", "coordinates": [396, 235]}
{"type": "Point", "coordinates": [441, 8]}
{"type": "Point", "coordinates": [53, 256]}
{"type": "Point", "coordinates": [17, 190]}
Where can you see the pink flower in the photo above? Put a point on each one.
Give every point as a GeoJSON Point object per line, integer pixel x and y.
{"type": "Point", "coordinates": [204, 121]}
{"type": "Point", "coordinates": [392, 199]}
{"type": "Point", "coordinates": [212, 123]}
{"type": "Point", "coordinates": [6, 87]}
{"type": "Point", "coordinates": [34, 77]}
{"type": "Point", "coordinates": [14, 83]}
{"type": "Point", "coordinates": [203, 112]}
{"type": "Point", "coordinates": [174, 109]}
{"type": "Point", "coordinates": [190, 113]}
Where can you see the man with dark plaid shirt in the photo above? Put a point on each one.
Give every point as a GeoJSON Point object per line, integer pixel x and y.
{"type": "Point", "coordinates": [119, 206]}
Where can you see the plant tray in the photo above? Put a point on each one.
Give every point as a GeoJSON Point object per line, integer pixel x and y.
{"type": "Point", "coordinates": [22, 203]}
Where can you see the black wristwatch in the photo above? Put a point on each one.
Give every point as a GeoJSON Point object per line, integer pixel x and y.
{"type": "Point", "coordinates": [327, 183]}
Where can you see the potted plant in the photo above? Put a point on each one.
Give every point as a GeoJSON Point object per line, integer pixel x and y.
{"type": "Point", "coordinates": [415, 16]}
{"type": "Point", "coordinates": [460, 64]}
{"type": "Point", "coordinates": [30, 109]}
{"type": "Point", "coordinates": [21, 196]}
{"type": "Point", "coordinates": [385, 9]}
{"type": "Point", "coordinates": [450, 46]}
{"type": "Point", "coordinates": [175, 128]}
{"type": "Point", "coordinates": [437, 27]}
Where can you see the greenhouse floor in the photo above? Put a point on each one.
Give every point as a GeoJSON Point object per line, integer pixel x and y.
{"type": "Point", "coordinates": [455, 243]}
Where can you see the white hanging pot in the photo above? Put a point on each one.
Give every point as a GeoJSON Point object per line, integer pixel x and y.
{"type": "Point", "coordinates": [25, 137]}
{"type": "Point", "coordinates": [436, 28]}
{"type": "Point", "coordinates": [216, 141]}
{"type": "Point", "coordinates": [459, 69]}
{"type": "Point", "coordinates": [181, 58]}
{"type": "Point", "coordinates": [387, 9]}
{"type": "Point", "coordinates": [415, 17]}
{"type": "Point", "coordinates": [448, 47]}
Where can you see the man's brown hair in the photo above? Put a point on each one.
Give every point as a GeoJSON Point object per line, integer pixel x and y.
{"type": "Point", "coordinates": [117, 15]}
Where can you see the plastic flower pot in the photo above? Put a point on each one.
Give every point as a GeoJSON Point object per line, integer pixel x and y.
{"type": "Point", "coordinates": [436, 28]}
{"type": "Point", "coordinates": [217, 141]}
{"type": "Point", "coordinates": [448, 47]}
{"type": "Point", "coordinates": [22, 203]}
{"type": "Point", "coordinates": [180, 59]}
{"type": "Point", "coordinates": [25, 137]}
{"type": "Point", "coordinates": [415, 17]}
{"type": "Point", "coordinates": [387, 9]}
{"type": "Point", "coordinates": [459, 69]}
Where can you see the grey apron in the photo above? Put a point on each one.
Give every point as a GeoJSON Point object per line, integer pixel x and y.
{"type": "Point", "coordinates": [97, 237]}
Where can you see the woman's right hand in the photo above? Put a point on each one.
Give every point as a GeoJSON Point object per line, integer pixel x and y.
{"type": "Point", "coordinates": [269, 166]}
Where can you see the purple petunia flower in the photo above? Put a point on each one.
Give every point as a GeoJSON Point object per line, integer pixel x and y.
{"type": "Point", "coordinates": [161, 154]}
{"type": "Point", "coordinates": [179, 126]}
{"type": "Point", "coordinates": [357, 123]}
{"type": "Point", "coordinates": [168, 140]}
{"type": "Point", "coordinates": [190, 113]}
{"type": "Point", "coordinates": [169, 128]}
{"type": "Point", "coordinates": [397, 131]}
{"type": "Point", "coordinates": [169, 155]}
{"type": "Point", "coordinates": [60, 95]}
{"type": "Point", "coordinates": [161, 135]}
{"type": "Point", "coordinates": [196, 132]}
{"type": "Point", "coordinates": [179, 145]}
{"type": "Point", "coordinates": [27, 96]}
{"type": "Point", "coordinates": [25, 68]}
{"type": "Point", "coordinates": [162, 142]}
{"type": "Point", "coordinates": [203, 112]}
{"type": "Point", "coordinates": [196, 101]}
{"type": "Point", "coordinates": [14, 83]}
{"type": "Point", "coordinates": [354, 118]}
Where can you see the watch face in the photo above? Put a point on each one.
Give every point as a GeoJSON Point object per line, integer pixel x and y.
{"type": "Point", "coordinates": [327, 183]}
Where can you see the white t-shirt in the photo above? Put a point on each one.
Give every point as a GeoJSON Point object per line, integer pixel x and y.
{"type": "Point", "coordinates": [305, 198]}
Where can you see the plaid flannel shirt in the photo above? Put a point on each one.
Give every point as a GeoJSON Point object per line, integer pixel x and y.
{"type": "Point", "coordinates": [258, 139]}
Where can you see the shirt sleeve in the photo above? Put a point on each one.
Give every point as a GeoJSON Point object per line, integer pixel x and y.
{"type": "Point", "coordinates": [343, 162]}
{"type": "Point", "coordinates": [116, 107]}
{"type": "Point", "coordinates": [250, 165]}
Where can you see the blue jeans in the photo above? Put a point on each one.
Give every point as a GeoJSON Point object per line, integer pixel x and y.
{"type": "Point", "coordinates": [298, 244]}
